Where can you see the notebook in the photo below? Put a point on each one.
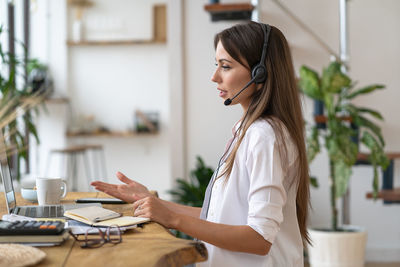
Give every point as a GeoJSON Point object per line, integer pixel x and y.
{"type": "Point", "coordinates": [36, 239]}
{"type": "Point", "coordinates": [48, 211]}
{"type": "Point", "coordinates": [100, 217]}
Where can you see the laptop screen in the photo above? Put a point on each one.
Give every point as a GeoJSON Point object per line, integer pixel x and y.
{"type": "Point", "coordinates": [6, 175]}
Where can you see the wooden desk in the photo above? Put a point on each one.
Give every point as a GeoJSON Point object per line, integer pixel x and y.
{"type": "Point", "coordinates": [150, 245]}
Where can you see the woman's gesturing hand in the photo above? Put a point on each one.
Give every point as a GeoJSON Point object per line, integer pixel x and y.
{"type": "Point", "coordinates": [130, 191]}
{"type": "Point", "coordinates": [153, 208]}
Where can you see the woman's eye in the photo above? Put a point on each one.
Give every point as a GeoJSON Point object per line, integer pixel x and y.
{"type": "Point", "coordinates": [224, 67]}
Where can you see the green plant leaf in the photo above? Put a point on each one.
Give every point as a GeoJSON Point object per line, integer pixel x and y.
{"type": "Point", "coordinates": [313, 147]}
{"type": "Point", "coordinates": [342, 176]}
{"type": "Point", "coordinates": [309, 83]}
{"type": "Point", "coordinates": [375, 183]}
{"type": "Point", "coordinates": [361, 121]}
{"type": "Point", "coordinates": [333, 79]}
{"type": "Point", "coordinates": [329, 104]}
{"type": "Point", "coordinates": [192, 192]}
{"type": "Point", "coordinates": [339, 82]}
{"type": "Point", "coordinates": [314, 182]}
{"type": "Point", "coordinates": [372, 112]}
{"type": "Point", "coordinates": [377, 155]}
{"type": "Point", "coordinates": [365, 90]}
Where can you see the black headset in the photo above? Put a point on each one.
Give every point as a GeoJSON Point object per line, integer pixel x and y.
{"type": "Point", "coordinates": [259, 71]}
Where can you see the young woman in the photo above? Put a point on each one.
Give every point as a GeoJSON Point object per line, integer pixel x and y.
{"type": "Point", "coordinates": [256, 204]}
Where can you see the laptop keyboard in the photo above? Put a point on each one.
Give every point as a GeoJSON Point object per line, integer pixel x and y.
{"type": "Point", "coordinates": [52, 211]}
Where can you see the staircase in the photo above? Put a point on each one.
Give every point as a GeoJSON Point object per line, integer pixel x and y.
{"type": "Point", "coordinates": [388, 194]}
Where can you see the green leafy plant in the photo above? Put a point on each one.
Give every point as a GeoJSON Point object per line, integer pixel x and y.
{"type": "Point", "coordinates": [192, 192]}
{"type": "Point", "coordinates": [16, 100]}
{"type": "Point", "coordinates": [344, 121]}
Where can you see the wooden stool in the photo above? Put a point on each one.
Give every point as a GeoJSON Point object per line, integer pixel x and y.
{"type": "Point", "coordinates": [71, 169]}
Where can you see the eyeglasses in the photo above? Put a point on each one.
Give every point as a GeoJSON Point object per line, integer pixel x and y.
{"type": "Point", "coordinates": [95, 237]}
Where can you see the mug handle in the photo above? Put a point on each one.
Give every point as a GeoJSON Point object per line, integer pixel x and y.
{"type": "Point", "coordinates": [64, 186]}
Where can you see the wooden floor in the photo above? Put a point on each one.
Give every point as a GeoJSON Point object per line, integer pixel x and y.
{"type": "Point", "coordinates": [387, 264]}
{"type": "Point", "coordinates": [375, 264]}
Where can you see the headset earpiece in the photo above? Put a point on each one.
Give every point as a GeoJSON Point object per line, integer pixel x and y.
{"type": "Point", "coordinates": [259, 72]}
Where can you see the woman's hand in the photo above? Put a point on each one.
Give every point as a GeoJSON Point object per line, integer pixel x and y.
{"type": "Point", "coordinates": [130, 191]}
{"type": "Point", "coordinates": [153, 208]}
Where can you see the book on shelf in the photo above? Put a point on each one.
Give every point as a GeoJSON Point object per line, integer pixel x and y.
{"type": "Point", "coordinates": [101, 217]}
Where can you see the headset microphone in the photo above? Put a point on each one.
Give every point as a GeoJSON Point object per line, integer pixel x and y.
{"type": "Point", "coordinates": [229, 100]}
{"type": "Point", "coordinates": [259, 72]}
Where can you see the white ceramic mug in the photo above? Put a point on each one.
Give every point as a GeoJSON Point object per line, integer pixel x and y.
{"type": "Point", "coordinates": [50, 190]}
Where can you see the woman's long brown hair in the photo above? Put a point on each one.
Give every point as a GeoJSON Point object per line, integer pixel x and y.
{"type": "Point", "coordinates": [278, 101]}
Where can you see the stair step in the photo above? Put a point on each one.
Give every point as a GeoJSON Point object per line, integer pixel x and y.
{"type": "Point", "coordinates": [392, 155]}
{"type": "Point", "coordinates": [387, 195]}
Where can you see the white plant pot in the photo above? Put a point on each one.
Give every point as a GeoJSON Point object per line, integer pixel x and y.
{"type": "Point", "coordinates": [337, 249]}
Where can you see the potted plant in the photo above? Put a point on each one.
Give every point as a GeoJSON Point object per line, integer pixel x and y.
{"type": "Point", "coordinates": [16, 105]}
{"type": "Point", "coordinates": [192, 192]}
{"type": "Point", "coordinates": [342, 127]}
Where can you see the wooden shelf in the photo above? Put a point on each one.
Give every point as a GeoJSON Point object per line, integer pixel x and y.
{"type": "Point", "coordinates": [390, 155]}
{"type": "Point", "coordinates": [110, 134]}
{"type": "Point", "coordinates": [115, 42]}
{"type": "Point", "coordinates": [229, 7]}
{"type": "Point", "coordinates": [236, 11]}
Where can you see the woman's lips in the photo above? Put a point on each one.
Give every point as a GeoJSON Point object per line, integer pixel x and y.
{"type": "Point", "coordinates": [223, 93]}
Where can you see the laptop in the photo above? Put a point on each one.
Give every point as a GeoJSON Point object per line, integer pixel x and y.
{"type": "Point", "coordinates": [48, 211]}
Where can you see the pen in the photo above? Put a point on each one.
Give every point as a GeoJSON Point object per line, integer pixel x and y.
{"type": "Point", "coordinates": [109, 216]}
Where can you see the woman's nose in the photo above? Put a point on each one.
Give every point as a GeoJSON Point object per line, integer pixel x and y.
{"type": "Point", "coordinates": [215, 77]}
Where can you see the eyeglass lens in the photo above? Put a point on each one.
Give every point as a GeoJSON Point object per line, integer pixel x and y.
{"type": "Point", "coordinates": [94, 238]}
{"type": "Point", "coordinates": [113, 235]}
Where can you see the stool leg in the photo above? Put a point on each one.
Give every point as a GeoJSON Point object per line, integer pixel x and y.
{"type": "Point", "coordinates": [95, 165]}
{"type": "Point", "coordinates": [69, 172]}
{"type": "Point", "coordinates": [74, 172]}
{"type": "Point", "coordinates": [103, 164]}
{"type": "Point", "coordinates": [87, 169]}
{"type": "Point", "coordinates": [64, 166]}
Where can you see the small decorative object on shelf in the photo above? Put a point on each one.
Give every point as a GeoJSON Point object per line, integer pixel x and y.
{"type": "Point", "coordinates": [235, 11]}
{"type": "Point", "coordinates": [146, 121]}
{"type": "Point", "coordinates": [39, 78]}
{"type": "Point", "coordinates": [77, 26]}
{"type": "Point", "coordinates": [160, 23]}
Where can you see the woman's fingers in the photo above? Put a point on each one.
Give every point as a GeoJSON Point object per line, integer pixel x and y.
{"type": "Point", "coordinates": [107, 188]}
{"type": "Point", "coordinates": [137, 203]}
{"type": "Point", "coordinates": [123, 178]}
{"type": "Point", "coordinates": [100, 184]}
{"type": "Point", "coordinates": [115, 194]}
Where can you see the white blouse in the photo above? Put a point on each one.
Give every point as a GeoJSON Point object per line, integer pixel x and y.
{"type": "Point", "coordinates": [260, 194]}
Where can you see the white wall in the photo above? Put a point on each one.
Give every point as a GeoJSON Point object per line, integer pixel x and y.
{"type": "Point", "coordinates": [374, 57]}
{"type": "Point", "coordinates": [108, 83]}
